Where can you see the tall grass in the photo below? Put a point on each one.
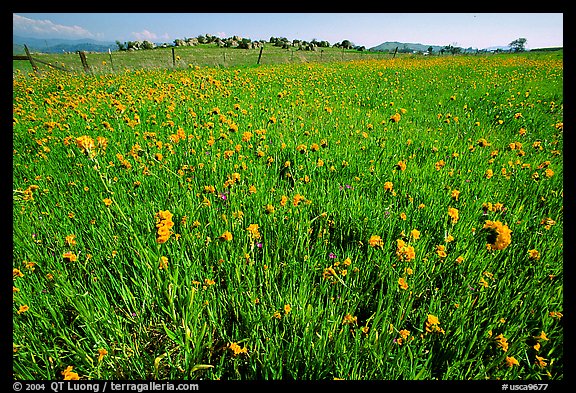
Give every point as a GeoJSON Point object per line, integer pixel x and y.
{"type": "Point", "coordinates": [313, 234]}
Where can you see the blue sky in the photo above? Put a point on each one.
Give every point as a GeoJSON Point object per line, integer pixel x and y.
{"type": "Point", "coordinates": [477, 30]}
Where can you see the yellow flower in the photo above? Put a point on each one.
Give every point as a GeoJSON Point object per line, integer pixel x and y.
{"type": "Point", "coordinates": [441, 251]}
{"type": "Point", "coordinates": [349, 320]}
{"type": "Point", "coordinates": [555, 314]}
{"type": "Point", "coordinates": [237, 350]}
{"type": "Point", "coordinates": [404, 252]}
{"type": "Point", "coordinates": [70, 256]}
{"type": "Point", "coordinates": [453, 213]}
{"type": "Point", "coordinates": [388, 186]}
{"type": "Point", "coordinates": [511, 361]}
{"type": "Point", "coordinates": [533, 254]}
{"type": "Point", "coordinates": [395, 118]}
{"type": "Point", "coordinates": [541, 361]}
{"type": "Point", "coordinates": [163, 263]}
{"type": "Point", "coordinates": [401, 165]}
{"type": "Point", "coordinates": [433, 325]}
{"type": "Point", "coordinates": [163, 223]}
{"type": "Point", "coordinates": [101, 354]}
{"type": "Point", "coordinates": [253, 229]}
{"type": "Point", "coordinates": [403, 284]}
{"type": "Point", "coordinates": [107, 201]}
{"type": "Point", "coordinates": [297, 199]}
{"type": "Point", "coordinates": [500, 237]}
{"type": "Point", "coordinates": [23, 309]}
{"type": "Point", "coordinates": [415, 233]}
{"type": "Point", "coordinates": [287, 308]}
{"type": "Point", "coordinates": [439, 165]}
{"type": "Point", "coordinates": [542, 336]}
{"type": "Point", "coordinates": [502, 342]}
{"type": "Point", "coordinates": [70, 240]}
{"type": "Point", "coordinates": [226, 236]}
{"type": "Point", "coordinates": [85, 143]}
{"type": "Point", "coordinates": [69, 374]}
{"type": "Point", "coordinates": [376, 241]}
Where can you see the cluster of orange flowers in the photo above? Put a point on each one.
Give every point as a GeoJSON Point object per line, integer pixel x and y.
{"type": "Point", "coordinates": [28, 193]}
{"type": "Point", "coordinates": [163, 224]}
{"type": "Point", "coordinates": [237, 349]}
{"type": "Point", "coordinates": [404, 252]}
{"type": "Point", "coordinates": [500, 235]}
{"type": "Point", "coordinates": [336, 269]}
{"type": "Point", "coordinates": [87, 146]}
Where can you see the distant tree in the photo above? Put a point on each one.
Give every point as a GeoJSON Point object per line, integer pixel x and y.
{"type": "Point", "coordinates": [518, 45]}
{"type": "Point", "coordinates": [346, 44]}
{"type": "Point", "coordinates": [121, 46]}
{"type": "Point", "coordinates": [451, 49]}
{"type": "Point", "coordinates": [430, 49]}
{"type": "Point", "coordinates": [245, 43]}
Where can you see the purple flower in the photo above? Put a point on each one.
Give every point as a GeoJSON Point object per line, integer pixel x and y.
{"type": "Point", "coordinates": [332, 255]}
{"type": "Point", "coordinates": [259, 245]}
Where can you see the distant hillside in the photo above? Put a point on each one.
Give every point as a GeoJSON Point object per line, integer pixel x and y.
{"type": "Point", "coordinates": [56, 45]}
{"type": "Point", "coordinates": [404, 47]}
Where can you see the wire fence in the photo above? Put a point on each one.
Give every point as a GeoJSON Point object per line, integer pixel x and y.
{"type": "Point", "coordinates": [114, 61]}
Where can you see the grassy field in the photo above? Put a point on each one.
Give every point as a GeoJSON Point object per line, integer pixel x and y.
{"type": "Point", "coordinates": [370, 219]}
{"type": "Point", "coordinates": [205, 55]}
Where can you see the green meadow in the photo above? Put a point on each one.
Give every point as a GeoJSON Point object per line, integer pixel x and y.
{"type": "Point", "coordinates": [367, 219]}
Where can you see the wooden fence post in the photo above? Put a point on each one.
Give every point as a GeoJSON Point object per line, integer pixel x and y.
{"type": "Point", "coordinates": [34, 66]}
{"type": "Point", "coordinates": [110, 54]}
{"type": "Point", "coordinates": [173, 58]}
{"type": "Point", "coordinates": [260, 55]}
{"type": "Point", "coordinates": [84, 62]}
{"type": "Point", "coordinates": [396, 50]}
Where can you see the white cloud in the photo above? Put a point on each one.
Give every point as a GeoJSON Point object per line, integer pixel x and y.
{"type": "Point", "coordinates": [47, 28]}
{"type": "Point", "coordinates": [145, 35]}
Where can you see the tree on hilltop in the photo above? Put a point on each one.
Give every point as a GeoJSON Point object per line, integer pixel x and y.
{"type": "Point", "coordinates": [518, 45]}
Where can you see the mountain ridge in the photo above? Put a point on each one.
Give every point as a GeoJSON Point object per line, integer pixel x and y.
{"type": "Point", "coordinates": [59, 45]}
